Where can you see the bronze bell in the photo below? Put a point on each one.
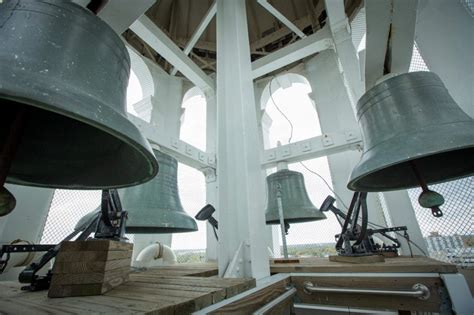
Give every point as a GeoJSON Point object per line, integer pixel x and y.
{"type": "Point", "coordinates": [155, 207]}
{"type": "Point", "coordinates": [414, 134]}
{"type": "Point", "coordinates": [297, 207]}
{"type": "Point", "coordinates": [63, 80]}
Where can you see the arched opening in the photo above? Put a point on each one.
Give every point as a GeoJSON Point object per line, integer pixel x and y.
{"type": "Point", "coordinates": [193, 121]}
{"type": "Point", "coordinates": [140, 86]}
{"type": "Point", "coordinates": [134, 92]}
{"type": "Point", "coordinates": [190, 247]}
{"type": "Point", "coordinates": [287, 102]}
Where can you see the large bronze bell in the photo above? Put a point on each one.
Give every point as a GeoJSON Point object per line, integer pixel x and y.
{"type": "Point", "coordinates": [414, 134]}
{"type": "Point", "coordinates": [63, 79]}
{"type": "Point", "coordinates": [155, 207]}
{"type": "Point", "coordinates": [297, 207]}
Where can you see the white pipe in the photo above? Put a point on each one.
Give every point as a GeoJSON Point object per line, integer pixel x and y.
{"type": "Point", "coordinates": [18, 259]}
{"type": "Point", "coordinates": [150, 254]}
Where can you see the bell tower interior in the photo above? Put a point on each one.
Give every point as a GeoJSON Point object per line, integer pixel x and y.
{"type": "Point", "coordinates": [283, 141]}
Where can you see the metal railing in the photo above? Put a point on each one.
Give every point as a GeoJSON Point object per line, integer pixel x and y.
{"type": "Point", "coordinates": [418, 290]}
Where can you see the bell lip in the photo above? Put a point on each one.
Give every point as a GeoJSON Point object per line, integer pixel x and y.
{"type": "Point", "coordinates": [161, 230]}
{"type": "Point", "coordinates": [297, 220]}
{"type": "Point", "coordinates": [133, 138]}
{"type": "Point", "coordinates": [308, 214]}
{"type": "Point", "coordinates": [367, 162]}
{"type": "Point", "coordinates": [189, 225]}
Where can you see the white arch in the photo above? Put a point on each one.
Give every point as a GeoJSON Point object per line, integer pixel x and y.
{"type": "Point", "coordinates": [282, 81]}
{"type": "Point", "coordinates": [142, 72]}
{"type": "Point", "coordinates": [193, 120]}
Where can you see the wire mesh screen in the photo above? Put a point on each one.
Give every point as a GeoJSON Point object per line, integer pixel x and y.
{"type": "Point", "coordinates": [67, 207]}
{"type": "Point", "coordinates": [451, 237]}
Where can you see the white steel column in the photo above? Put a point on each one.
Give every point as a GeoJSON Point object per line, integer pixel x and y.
{"type": "Point", "coordinates": [241, 197]}
{"type": "Point", "coordinates": [447, 47]}
{"type": "Point", "coordinates": [346, 51]}
{"type": "Point", "coordinates": [210, 173]}
{"type": "Point", "coordinates": [401, 212]}
{"type": "Point", "coordinates": [336, 114]}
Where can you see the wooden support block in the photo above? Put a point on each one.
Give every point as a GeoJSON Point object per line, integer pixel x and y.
{"type": "Point", "coordinates": [95, 245]}
{"type": "Point", "coordinates": [92, 256]}
{"type": "Point", "coordinates": [357, 259]}
{"type": "Point", "coordinates": [90, 267]}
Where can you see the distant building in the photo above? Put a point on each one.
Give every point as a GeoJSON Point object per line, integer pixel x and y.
{"type": "Point", "coordinates": [437, 242]}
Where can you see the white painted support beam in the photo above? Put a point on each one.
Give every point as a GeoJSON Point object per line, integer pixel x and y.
{"type": "Point", "coordinates": [182, 151]}
{"type": "Point", "coordinates": [281, 18]}
{"type": "Point", "coordinates": [120, 14]}
{"type": "Point", "coordinates": [390, 37]}
{"type": "Point", "coordinates": [212, 188]}
{"type": "Point", "coordinates": [308, 46]}
{"type": "Point", "coordinates": [199, 31]}
{"type": "Point", "coordinates": [162, 44]}
{"type": "Point", "coordinates": [378, 18]}
{"type": "Point", "coordinates": [326, 144]}
{"type": "Point", "coordinates": [346, 52]}
{"type": "Point", "coordinates": [402, 35]}
{"type": "Point", "coordinates": [401, 213]}
{"type": "Point", "coordinates": [241, 201]}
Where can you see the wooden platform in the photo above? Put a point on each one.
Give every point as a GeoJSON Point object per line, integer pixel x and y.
{"type": "Point", "coordinates": [193, 269]}
{"type": "Point", "coordinates": [399, 273]}
{"type": "Point", "coordinates": [397, 264]}
{"type": "Point", "coordinates": [147, 292]}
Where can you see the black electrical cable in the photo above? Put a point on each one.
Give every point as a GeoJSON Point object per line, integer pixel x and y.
{"type": "Point", "coordinates": [278, 108]}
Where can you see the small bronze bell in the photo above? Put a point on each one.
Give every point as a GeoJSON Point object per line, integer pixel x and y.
{"type": "Point", "coordinates": [414, 134]}
{"type": "Point", "coordinates": [155, 207]}
{"type": "Point", "coordinates": [63, 80]}
{"type": "Point", "coordinates": [297, 207]}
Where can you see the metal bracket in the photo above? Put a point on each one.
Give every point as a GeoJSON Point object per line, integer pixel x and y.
{"type": "Point", "coordinates": [234, 269]}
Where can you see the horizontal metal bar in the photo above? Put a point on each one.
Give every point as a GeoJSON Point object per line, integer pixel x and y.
{"type": "Point", "coordinates": [418, 290]}
{"type": "Point", "coordinates": [350, 310]}
{"type": "Point", "coordinates": [365, 274]}
{"type": "Point", "coordinates": [24, 248]}
{"type": "Point", "coordinates": [267, 307]}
